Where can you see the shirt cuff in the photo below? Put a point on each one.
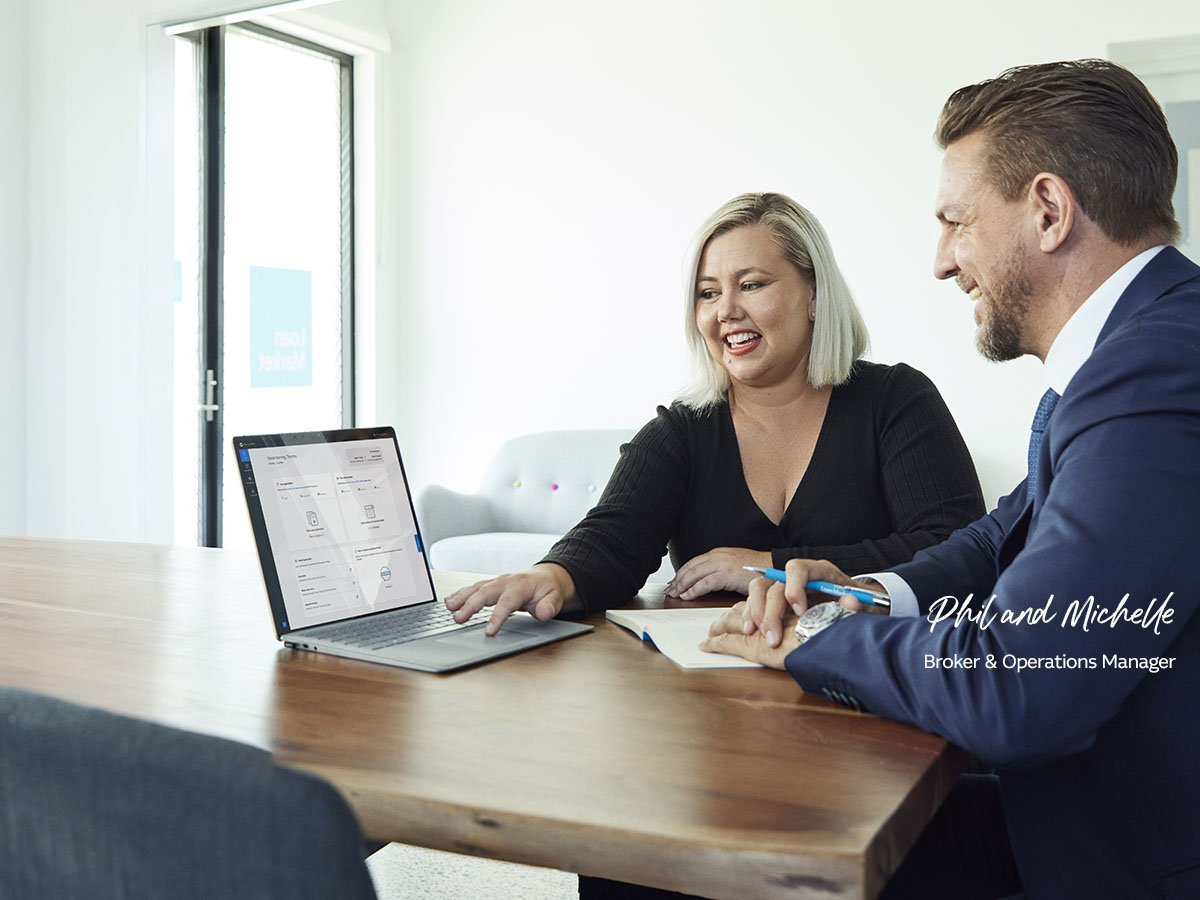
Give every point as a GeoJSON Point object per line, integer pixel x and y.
{"type": "Point", "coordinates": [904, 601]}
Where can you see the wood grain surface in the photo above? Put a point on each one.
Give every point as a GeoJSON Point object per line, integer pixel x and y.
{"type": "Point", "coordinates": [595, 755]}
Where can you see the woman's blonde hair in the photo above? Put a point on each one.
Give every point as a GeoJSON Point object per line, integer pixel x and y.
{"type": "Point", "coordinates": [839, 334]}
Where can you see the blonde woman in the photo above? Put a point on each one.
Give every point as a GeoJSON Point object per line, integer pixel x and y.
{"type": "Point", "coordinates": [787, 443]}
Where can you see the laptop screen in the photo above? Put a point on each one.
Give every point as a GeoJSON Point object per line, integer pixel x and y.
{"type": "Point", "coordinates": [334, 523]}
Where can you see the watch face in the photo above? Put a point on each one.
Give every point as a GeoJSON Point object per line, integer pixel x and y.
{"type": "Point", "coordinates": [821, 615]}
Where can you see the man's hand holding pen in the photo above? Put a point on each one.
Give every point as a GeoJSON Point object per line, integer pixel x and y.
{"type": "Point", "coordinates": [762, 627]}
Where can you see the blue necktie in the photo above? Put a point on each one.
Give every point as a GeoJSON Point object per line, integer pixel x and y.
{"type": "Point", "coordinates": [1036, 432]}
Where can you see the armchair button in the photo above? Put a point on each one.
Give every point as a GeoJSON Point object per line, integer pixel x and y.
{"type": "Point", "coordinates": [516, 484]}
{"type": "Point", "coordinates": [591, 489]}
{"type": "Point", "coordinates": [554, 487]}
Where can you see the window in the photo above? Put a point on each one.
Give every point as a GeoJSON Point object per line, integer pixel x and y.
{"type": "Point", "coordinates": [265, 248]}
{"type": "Point", "coordinates": [1170, 68]}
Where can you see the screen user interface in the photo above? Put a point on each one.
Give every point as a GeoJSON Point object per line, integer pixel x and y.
{"type": "Point", "coordinates": [341, 529]}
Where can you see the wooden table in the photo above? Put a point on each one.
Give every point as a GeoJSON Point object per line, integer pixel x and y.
{"type": "Point", "coordinates": [595, 755]}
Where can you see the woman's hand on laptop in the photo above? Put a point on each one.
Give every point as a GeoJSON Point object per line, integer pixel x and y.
{"type": "Point", "coordinates": [542, 590]}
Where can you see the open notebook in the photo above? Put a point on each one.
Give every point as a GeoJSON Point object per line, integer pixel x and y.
{"type": "Point", "coordinates": [677, 634]}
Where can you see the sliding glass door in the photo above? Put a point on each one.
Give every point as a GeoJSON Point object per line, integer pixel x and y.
{"type": "Point", "coordinates": [272, 324]}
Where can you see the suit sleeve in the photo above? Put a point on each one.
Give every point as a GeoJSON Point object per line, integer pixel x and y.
{"type": "Point", "coordinates": [965, 563]}
{"type": "Point", "coordinates": [1121, 517]}
{"type": "Point", "coordinates": [929, 482]}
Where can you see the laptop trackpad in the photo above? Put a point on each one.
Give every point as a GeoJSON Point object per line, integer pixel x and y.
{"type": "Point", "coordinates": [513, 634]}
{"type": "Point", "coordinates": [463, 648]}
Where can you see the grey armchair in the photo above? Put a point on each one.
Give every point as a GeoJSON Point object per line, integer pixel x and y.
{"type": "Point", "coordinates": [535, 489]}
{"type": "Point", "coordinates": [104, 807]}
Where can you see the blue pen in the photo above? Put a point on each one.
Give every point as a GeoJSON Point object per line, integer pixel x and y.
{"type": "Point", "coordinates": [827, 587]}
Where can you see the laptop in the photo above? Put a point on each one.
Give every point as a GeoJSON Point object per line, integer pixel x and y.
{"type": "Point", "coordinates": [342, 558]}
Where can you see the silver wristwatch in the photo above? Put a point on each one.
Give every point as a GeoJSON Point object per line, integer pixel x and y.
{"type": "Point", "coordinates": [818, 618]}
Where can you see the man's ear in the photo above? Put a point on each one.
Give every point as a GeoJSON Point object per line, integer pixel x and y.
{"type": "Point", "coordinates": [1053, 204]}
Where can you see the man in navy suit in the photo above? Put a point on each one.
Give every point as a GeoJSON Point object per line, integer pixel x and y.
{"type": "Point", "coordinates": [1055, 638]}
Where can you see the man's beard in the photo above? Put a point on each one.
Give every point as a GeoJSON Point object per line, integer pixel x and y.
{"type": "Point", "coordinates": [1000, 336]}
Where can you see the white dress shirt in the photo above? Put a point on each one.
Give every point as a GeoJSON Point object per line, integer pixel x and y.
{"type": "Point", "coordinates": [1071, 348]}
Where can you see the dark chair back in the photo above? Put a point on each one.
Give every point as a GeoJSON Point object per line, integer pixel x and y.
{"type": "Point", "coordinates": [105, 807]}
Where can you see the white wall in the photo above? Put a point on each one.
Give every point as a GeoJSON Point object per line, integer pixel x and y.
{"type": "Point", "coordinates": [89, 316]}
{"type": "Point", "coordinates": [98, 438]}
{"type": "Point", "coordinates": [14, 115]}
{"type": "Point", "coordinates": [549, 162]}
{"type": "Point", "coordinates": [562, 154]}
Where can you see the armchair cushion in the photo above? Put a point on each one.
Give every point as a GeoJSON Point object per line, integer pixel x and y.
{"type": "Point", "coordinates": [443, 513]}
{"type": "Point", "coordinates": [547, 482]}
{"type": "Point", "coordinates": [536, 488]}
{"type": "Point", "coordinates": [492, 553]}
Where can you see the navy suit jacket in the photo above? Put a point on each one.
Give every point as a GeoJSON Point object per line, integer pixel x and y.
{"type": "Point", "coordinates": [1099, 767]}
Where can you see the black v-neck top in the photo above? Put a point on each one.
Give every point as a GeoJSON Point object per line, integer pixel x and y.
{"type": "Point", "coordinates": [889, 475]}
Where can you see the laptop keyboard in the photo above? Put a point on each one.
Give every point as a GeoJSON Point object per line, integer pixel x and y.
{"type": "Point", "coordinates": [402, 626]}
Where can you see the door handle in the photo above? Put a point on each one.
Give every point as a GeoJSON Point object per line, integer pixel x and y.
{"type": "Point", "coordinates": [208, 406]}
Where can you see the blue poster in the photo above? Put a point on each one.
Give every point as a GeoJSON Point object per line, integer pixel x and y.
{"type": "Point", "coordinates": [280, 327]}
